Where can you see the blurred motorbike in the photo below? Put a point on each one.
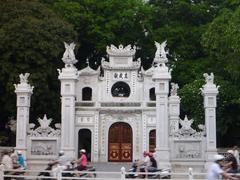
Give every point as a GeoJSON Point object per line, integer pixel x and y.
{"type": "Point", "coordinates": [70, 171]}
{"type": "Point", "coordinates": [152, 173]}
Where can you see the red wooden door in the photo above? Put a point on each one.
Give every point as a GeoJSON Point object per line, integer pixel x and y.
{"type": "Point", "coordinates": [120, 143]}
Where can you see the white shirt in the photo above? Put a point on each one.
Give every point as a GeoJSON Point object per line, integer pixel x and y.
{"type": "Point", "coordinates": [147, 161]}
{"type": "Point", "coordinates": [214, 172]}
{"type": "Point", "coordinates": [62, 160]}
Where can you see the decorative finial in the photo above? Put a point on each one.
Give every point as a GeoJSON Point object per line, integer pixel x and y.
{"type": "Point", "coordinates": [24, 78]}
{"type": "Point", "coordinates": [209, 78]}
{"type": "Point", "coordinates": [174, 89]}
{"type": "Point", "coordinates": [45, 122]}
{"type": "Point", "coordinates": [161, 53]}
{"type": "Point", "coordinates": [24, 84]}
{"type": "Point", "coordinates": [186, 123]}
{"type": "Point", "coordinates": [69, 56]}
{"type": "Point", "coordinates": [121, 50]}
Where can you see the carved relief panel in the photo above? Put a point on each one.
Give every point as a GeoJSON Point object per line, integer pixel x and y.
{"type": "Point", "coordinates": [188, 149]}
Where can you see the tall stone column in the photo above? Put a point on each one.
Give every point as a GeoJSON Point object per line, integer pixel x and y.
{"type": "Point", "coordinates": [174, 109]}
{"type": "Point", "coordinates": [210, 91]}
{"type": "Point", "coordinates": [68, 77]}
{"type": "Point", "coordinates": [161, 77]}
{"type": "Point", "coordinates": [24, 92]}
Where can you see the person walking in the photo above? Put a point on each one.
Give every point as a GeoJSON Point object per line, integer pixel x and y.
{"type": "Point", "coordinates": [215, 171]}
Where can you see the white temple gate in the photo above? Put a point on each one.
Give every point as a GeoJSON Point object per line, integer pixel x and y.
{"type": "Point", "coordinates": [125, 109]}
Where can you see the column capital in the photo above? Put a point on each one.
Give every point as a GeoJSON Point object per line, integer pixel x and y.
{"type": "Point", "coordinates": [161, 72]}
{"type": "Point", "coordinates": [209, 88]}
{"type": "Point", "coordinates": [68, 73]}
{"type": "Point", "coordinates": [23, 87]}
{"type": "Point", "coordinates": [174, 99]}
{"type": "Point", "coordinates": [68, 77]}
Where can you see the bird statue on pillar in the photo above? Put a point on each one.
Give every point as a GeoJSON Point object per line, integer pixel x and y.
{"type": "Point", "coordinates": [24, 78]}
{"type": "Point", "coordinates": [161, 53]}
{"type": "Point", "coordinates": [69, 56]}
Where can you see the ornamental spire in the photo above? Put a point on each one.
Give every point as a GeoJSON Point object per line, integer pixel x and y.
{"type": "Point", "coordinates": [121, 50]}
{"type": "Point", "coordinates": [161, 53]}
{"type": "Point", "coordinates": [69, 56]}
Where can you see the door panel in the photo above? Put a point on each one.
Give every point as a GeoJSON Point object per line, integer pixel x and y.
{"type": "Point", "coordinates": [114, 154]}
{"type": "Point", "coordinates": [126, 151]}
{"type": "Point", "coordinates": [120, 143]}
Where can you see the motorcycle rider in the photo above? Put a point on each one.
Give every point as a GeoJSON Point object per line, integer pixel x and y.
{"type": "Point", "coordinates": [153, 166]}
{"type": "Point", "coordinates": [82, 161]}
{"type": "Point", "coordinates": [143, 165]}
{"type": "Point", "coordinates": [21, 160]}
{"type": "Point", "coordinates": [61, 163]}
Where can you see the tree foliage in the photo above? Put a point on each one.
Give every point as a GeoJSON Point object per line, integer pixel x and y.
{"type": "Point", "coordinates": [222, 42]}
{"type": "Point", "coordinates": [202, 35]}
{"type": "Point", "coordinates": [31, 40]}
{"type": "Point", "coordinates": [101, 23]}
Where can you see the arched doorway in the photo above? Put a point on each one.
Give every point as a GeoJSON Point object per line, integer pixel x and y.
{"type": "Point", "coordinates": [152, 140]}
{"type": "Point", "coordinates": [87, 94]}
{"type": "Point", "coordinates": [152, 95]}
{"type": "Point", "coordinates": [120, 142]}
{"type": "Point", "coordinates": [84, 141]}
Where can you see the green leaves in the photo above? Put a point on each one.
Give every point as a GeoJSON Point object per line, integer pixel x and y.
{"type": "Point", "coordinates": [222, 40]}
{"type": "Point", "coordinates": [192, 101]}
{"type": "Point", "coordinates": [101, 23]}
{"type": "Point", "coordinates": [203, 36]}
{"type": "Point", "coordinates": [31, 40]}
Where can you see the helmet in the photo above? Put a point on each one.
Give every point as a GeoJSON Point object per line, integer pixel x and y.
{"type": "Point", "coordinates": [60, 153]}
{"type": "Point", "coordinates": [218, 157]}
{"type": "Point", "coordinates": [19, 152]}
{"type": "Point", "coordinates": [145, 153]}
{"type": "Point", "coordinates": [82, 151]}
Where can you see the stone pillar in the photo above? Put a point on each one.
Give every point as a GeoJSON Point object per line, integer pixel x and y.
{"type": "Point", "coordinates": [24, 92]}
{"type": "Point", "coordinates": [161, 77]}
{"type": "Point", "coordinates": [210, 91]}
{"type": "Point", "coordinates": [174, 109]}
{"type": "Point", "coordinates": [68, 77]}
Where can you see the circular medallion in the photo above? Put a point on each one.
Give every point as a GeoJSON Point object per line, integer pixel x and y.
{"type": "Point", "coordinates": [114, 154]}
{"type": "Point", "coordinates": [126, 154]}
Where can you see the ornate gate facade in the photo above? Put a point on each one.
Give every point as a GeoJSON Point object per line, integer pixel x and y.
{"type": "Point", "coordinates": [120, 143]}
